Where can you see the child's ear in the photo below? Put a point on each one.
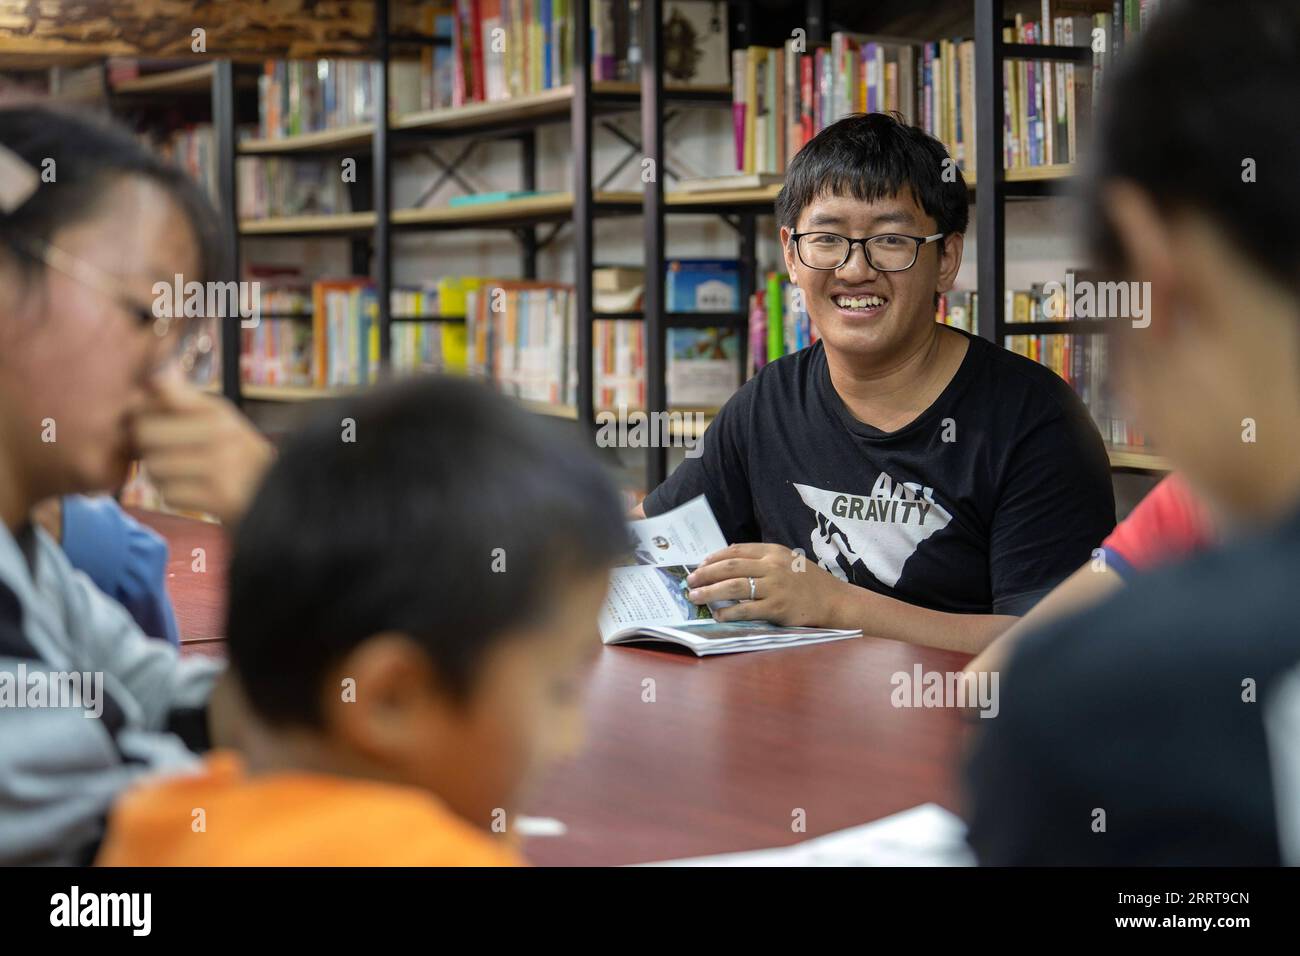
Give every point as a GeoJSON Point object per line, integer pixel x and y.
{"type": "Point", "coordinates": [384, 694]}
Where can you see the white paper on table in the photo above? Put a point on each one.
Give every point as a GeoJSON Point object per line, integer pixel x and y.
{"type": "Point", "coordinates": [1282, 724]}
{"type": "Point", "coordinates": [927, 835]}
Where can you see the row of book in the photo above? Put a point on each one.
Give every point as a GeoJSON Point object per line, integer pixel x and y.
{"type": "Point", "coordinates": [194, 149]}
{"type": "Point", "coordinates": [308, 96]}
{"type": "Point", "coordinates": [290, 187]}
{"type": "Point", "coordinates": [501, 48]}
{"type": "Point", "coordinates": [702, 365]}
{"type": "Point", "coordinates": [960, 309]}
{"type": "Point", "coordinates": [782, 97]}
{"type": "Point", "coordinates": [265, 186]}
{"type": "Point", "coordinates": [778, 322]}
{"type": "Point", "coordinates": [326, 333]}
{"type": "Point", "coordinates": [491, 50]}
{"type": "Point", "coordinates": [1082, 360]}
{"type": "Point", "coordinates": [522, 335]}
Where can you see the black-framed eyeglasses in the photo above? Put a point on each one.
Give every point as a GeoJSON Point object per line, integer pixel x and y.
{"type": "Point", "coordinates": [889, 252]}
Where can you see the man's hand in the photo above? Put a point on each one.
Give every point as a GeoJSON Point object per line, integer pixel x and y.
{"type": "Point", "coordinates": [789, 588]}
{"type": "Point", "coordinates": [199, 451]}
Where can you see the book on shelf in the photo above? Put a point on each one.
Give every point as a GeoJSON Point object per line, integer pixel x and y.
{"type": "Point", "coordinates": [618, 363]}
{"type": "Point", "coordinates": [278, 349]}
{"type": "Point", "coordinates": [272, 187]}
{"type": "Point", "coordinates": [647, 599]}
{"type": "Point", "coordinates": [702, 365]}
{"type": "Point", "coordinates": [345, 332]}
{"type": "Point", "coordinates": [501, 49]}
{"type": "Point", "coordinates": [192, 148]}
{"type": "Point", "coordinates": [1083, 361]}
{"type": "Point", "coordinates": [618, 300]}
{"type": "Point", "coordinates": [705, 184]}
{"type": "Point", "coordinates": [779, 323]}
{"type": "Point", "coordinates": [702, 285]}
{"type": "Point", "coordinates": [502, 195]}
{"type": "Point", "coordinates": [782, 97]}
{"type": "Point", "coordinates": [437, 60]}
{"type": "Point", "coordinates": [325, 334]}
{"type": "Point", "coordinates": [522, 336]}
{"type": "Point", "coordinates": [960, 309]}
{"type": "Point", "coordinates": [436, 345]}
{"type": "Point", "coordinates": [617, 278]}
{"type": "Point", "coordinates": [276, 352]}
{"type": "Point", "coordinates": [309, 96]}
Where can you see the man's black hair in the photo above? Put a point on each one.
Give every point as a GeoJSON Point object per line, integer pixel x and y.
{"type": "Point", "coordinates": [873, 156]}
{"type": "Point", "coordinates": [1206, 87]}
{"type": "Point", "coordinates": [89, 157]}
{"type": "Point", "coordinates": [453, 517]}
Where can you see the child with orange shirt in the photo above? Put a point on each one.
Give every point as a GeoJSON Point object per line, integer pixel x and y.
{"type": "Point", "coordinates": [411, 614]}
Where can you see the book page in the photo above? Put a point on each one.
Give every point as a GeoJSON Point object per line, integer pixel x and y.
{"type": "Point", "coordinates": [641, 594]}
{"type": "Point", "coordinates": [684, 536]}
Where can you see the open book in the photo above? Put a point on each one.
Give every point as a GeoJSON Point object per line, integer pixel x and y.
{"type": "Point", "coordinates": [647, 597]}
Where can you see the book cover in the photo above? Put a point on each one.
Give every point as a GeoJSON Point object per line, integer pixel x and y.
{"type": "Point", "coordinates": [702, 285]}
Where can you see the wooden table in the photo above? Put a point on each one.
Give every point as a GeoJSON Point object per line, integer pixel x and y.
{"type": "Point", "coordinates": [722, 759]}
{"type": "Point", "coordinates": [198, 590]}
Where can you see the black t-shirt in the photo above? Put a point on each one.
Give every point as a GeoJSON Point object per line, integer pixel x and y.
{"type": "Point", "coordinates": [1141, 708]}
{"type": "Point", "coordinates": [982, 504]}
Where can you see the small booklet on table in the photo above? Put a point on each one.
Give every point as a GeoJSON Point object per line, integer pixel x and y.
{"type": "Point", "coordinates": [647, 597]}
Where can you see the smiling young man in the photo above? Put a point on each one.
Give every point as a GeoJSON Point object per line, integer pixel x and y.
{"type": "Point", "coordinates": [898, 476]}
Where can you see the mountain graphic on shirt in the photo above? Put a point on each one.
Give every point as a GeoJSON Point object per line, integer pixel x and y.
{"type": "Point", "coordinates": [879, 531]}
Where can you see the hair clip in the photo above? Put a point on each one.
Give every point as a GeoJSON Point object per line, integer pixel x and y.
{"type": "Point", "coordinates": [18, 180]}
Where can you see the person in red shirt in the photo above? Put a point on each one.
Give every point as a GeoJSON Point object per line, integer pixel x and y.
{"type": "Point", "coordinates": [1171, 522]}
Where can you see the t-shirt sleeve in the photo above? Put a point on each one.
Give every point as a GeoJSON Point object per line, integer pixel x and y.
{"type": "Point", "coordinates": [716, 468]}
{"type": "Point", "coordinates": [125, 560]}
{"type": "Point", "coordinates": [1056, 505]}
{"type": "Point", "coordinates": [1169, 523]}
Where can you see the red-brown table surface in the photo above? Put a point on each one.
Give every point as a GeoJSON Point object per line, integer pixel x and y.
{"type": "Point", "coordinates": [727, 754]}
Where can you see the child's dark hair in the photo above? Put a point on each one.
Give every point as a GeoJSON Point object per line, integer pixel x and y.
{"type": "Point", "coordinates": [872, 156]}
{"type": "Point", "coordinates": [452, 517]}
{"type": "Point", "coordinates": [89, 156]}
{"type": "Point", "coordinates": [1193, 99]}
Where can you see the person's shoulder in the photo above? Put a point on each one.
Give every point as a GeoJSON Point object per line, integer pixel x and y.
{"type": "Point", "coordinates": [1228, 610]}
{"type": "Point", "coordinates": [1020, 379]}
{"type": "Point", "coordinates": [795, 368]}
{"type": "Point", "coordinates": [782, 382]}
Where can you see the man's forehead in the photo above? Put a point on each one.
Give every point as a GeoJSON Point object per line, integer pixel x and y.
{"type": "Point", "coordinates": [833, 208]}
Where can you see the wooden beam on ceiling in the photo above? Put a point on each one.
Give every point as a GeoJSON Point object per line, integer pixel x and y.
{"type": "Point", "coordinates": [233, 29]}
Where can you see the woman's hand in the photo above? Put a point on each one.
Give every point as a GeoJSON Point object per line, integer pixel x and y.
{"type": "Point", "coordinates": [788, 589]}
{"type": "Point", "coordinates": [200, 452]}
